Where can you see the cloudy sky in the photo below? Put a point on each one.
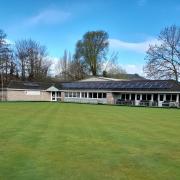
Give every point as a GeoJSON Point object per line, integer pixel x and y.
{"type": "Point", "coordinates": [132, 24]}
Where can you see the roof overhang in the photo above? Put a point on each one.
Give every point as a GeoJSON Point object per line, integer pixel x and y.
{"type": "Point", "coordinates": [52, 89]}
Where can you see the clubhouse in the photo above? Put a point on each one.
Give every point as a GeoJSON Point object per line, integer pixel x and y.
{"type": "Point", "coordinates": [140, 92]}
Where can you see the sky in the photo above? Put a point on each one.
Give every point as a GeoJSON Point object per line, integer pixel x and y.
{"type": "Point", "coordinates": [131, 24]}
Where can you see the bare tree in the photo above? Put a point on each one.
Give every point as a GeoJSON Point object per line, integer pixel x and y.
{"type": "Point", "coordinates": [76, 70]}
{"type": "Point", "coordinates": [6, 57]}
{"type": "Point", "coordinates": [32, 59]}
{"type": "Point", "coordinates": [63, 66]}
{"type": "Point", "coordinates": [163, 60]}
{"type": "Point", "coordinates": [22, 55]}
{"type": "Point", "coordinates": [68, 69]}
{"type": "Point", "coordinates": [112, 68]}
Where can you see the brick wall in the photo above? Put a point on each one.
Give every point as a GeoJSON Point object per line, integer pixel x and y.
{"type": "Point", "coordinates": [62, 96]}
{"type": "Point", "coordinates": [110, 98]}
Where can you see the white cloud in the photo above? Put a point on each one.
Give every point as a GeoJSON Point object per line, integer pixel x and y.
{"type": "Point", "coordinates": [140, 47]}
{"type": "Point", "coordinates": [134, 68]}
{"type": "Point", "coordinates": [49, 16]}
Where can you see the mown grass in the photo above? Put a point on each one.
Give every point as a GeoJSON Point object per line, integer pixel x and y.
{"type": "Point", "coordinates": [88, 142]}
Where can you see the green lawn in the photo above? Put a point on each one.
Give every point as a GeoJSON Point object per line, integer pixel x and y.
{"type": "Point", "coordinates": [88, 142]}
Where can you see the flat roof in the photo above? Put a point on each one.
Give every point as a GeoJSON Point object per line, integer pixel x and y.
{"type": "Point", "coordinates": [135, 85]}
{"type": "Point", "coordinates": [144, 85]}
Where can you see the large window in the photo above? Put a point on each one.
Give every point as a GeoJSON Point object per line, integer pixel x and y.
{"type": "Point", "coordinates": [148, 97]}
{"type": "Point", "coordinates": [155, 97]}
{"type": "Point", "coordinates": [74, 94]}
{"type": "Point", "coordinates": [84, 94]}
{"type": "Point", "coordinates": [132, 96]}
{"type": "Point", "coordinates": [127, 96]}
{"type": "Point", "coordinates": [161, 97]}
{"type": "Point", "coordinates": [168, 97]}
{"type": "Point", "coordinates": [104, 95]}
{"type": "Point", "coordinates": [90, 95]}
{"type": "Point", "coordinates": [173, 97]}
{"type": "Point", "coordinates": [66, 94]}
{"type": "Point", "coordinates": [78, 94]}
{"type": "Point", "coordinates": [70, 94]}
{"type": "Point", "coordinates": [99, 95]}
{"type": "Point", "coordinates": [144, 97]}
{"type": "Point", "coordinates": [95, 95]}
{"type": "Point", "coordinates": [123, 97]}
{"type": "Point", "coordinates": [138, 96]}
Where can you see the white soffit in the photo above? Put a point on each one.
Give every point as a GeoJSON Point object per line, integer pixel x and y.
{"type": "Point", "coordinates": [52, 88]}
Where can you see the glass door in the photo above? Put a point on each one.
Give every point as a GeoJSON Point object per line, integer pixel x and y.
{"type": "Point", "coordinates": [53, 96]}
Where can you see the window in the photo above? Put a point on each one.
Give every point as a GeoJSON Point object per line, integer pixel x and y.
{"type": "Point", "coordinates": [84, 94]}
{"type": "Point", "coordinates": [94, 95]}
{"type": "Point", "coordinates": [148, 97]}
{"type": "Point", "coordinates": [138, 96]}
{"type": "Point", "coordinates": [90, 95]}
{"type": "Point", "coordinates": [70, 94]}
{"type": "Point", "coordinates": [78, 94]}
{"type": "Point", "coordinates": [66, 94]}
{"type": "Point", "coordinates": [173, 97]}
{"type": "Point", "coordinates": [127, 96]}
{"type": "Point", "coordinates": [123, 97]}
{"type": "Point", "coordinates": [144, 97]}
{"type": "Point", "coordinates": [104, 95]}
{"type": "Point", "coordinates": [161, 97]}
{"type": "Point", "coordinates": [155, 97]}
{"type": "Point", "coordinates": [132, 96]}
{"type": "Point", "coordinates": [99, 95]}
{"type": "Point", "coordinates": [168, 97]}
{"type": "Point", "coordinates": [74, 94]}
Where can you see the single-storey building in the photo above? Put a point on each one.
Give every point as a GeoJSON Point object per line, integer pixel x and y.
{"type": "Point", "coordinates": [160, 93]}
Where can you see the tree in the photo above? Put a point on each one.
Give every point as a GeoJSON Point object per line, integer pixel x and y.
{"type": "Point", "coordinates": [69, 69]}
{"type": "Point", "coordinates": [32, 58]}
{"type": "Point", "coordinates": [163, 59]}
{"type": "Point", "coordinates": [62, 66]}
{"type": "Point", "coordinates": [112, 67]}
{"type": "Point", "coordinates": [115, 71]}
{"type": "Point", "coordinates": [6, 57]}
{"type": "Point", "coordinates": [91, 50]}
{"type": "Point", "coordinates": [76, 70]}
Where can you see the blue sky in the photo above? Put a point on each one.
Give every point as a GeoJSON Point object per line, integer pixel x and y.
{"type": "Point", "coordinates": [58, 24]}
